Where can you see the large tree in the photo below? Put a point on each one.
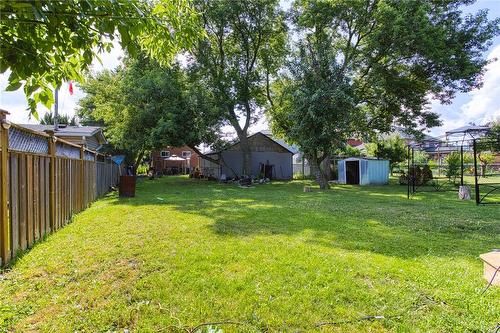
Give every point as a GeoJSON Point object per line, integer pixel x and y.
{"type": "Point", "coordinates": [242, 51]}
{"type": "Point", "coordinates": [46, 42]}
{"type": "Point", "coordinates": [144, 106]}
{"type": "Point", "coordinates": [376, 63]}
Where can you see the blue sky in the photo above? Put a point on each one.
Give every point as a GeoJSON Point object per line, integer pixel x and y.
{"type": "Point", "coordinates": [477, 106]}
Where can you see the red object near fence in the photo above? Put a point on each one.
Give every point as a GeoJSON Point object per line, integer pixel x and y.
{"type": "Point", "coordinates": [127, 186]}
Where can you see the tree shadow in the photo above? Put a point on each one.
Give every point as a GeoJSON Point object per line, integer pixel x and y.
{"type": "Point", "coordinates": [377, 219]}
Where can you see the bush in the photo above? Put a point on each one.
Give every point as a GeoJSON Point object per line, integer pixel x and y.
{"type": "Point", "coordinates": [142, 169]}
{"type": "Point", "coordinates": [453, 166]}
{"type": "Point", "coordinates": [422, 175]}
{"type": "Point", "coordinates": [426, 174]}
{"type": "Point", "coordinates": [403, 178]}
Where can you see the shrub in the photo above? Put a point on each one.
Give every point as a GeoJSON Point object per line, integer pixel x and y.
{"type": "Point", "coordinates": [453, 162]}
{"type": "Point", "coordinates": [426, 174]}
{"type": "Point", "coordinates": [142, 169]}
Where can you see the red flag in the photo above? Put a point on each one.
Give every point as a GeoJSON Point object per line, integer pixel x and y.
{"type": "Point", "coordinates": [70, 88]}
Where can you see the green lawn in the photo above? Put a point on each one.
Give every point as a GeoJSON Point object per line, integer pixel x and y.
{"type": "Point", "coordinates": [270, 258]}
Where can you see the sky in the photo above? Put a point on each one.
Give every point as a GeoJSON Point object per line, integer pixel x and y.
{"type": "Point", "coordinates": [478, 106]}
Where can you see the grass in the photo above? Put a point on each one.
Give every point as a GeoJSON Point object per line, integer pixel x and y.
{"type": "Point", "coordinates": [270, 258]}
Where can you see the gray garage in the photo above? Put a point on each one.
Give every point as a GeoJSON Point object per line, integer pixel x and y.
{"type": "Point", "coordinates": [270, 158]}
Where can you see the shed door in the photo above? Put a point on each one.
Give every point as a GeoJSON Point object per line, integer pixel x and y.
{"type": "Point", "coordinates": [352, 172]}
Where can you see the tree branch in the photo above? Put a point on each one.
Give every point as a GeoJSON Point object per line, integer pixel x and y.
{"type": "Point", "coordinates": [204, 156]}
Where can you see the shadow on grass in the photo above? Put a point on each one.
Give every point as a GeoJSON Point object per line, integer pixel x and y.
{"type": "Point", "coordinates": [376, 219]}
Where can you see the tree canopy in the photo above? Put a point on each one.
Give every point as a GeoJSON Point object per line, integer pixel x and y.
{"type": "Point", "coordinates": [46, 42]}
{"type": "Point", "coordinates": [243, 49]}
{"type": "Point", "coordinates": [392, 148]}
{"type": "Point", "coordinates": [144, 106]}
{"type": "Point", "coordinates": [361, 66]}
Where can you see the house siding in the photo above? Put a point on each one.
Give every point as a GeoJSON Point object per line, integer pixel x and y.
{"type": "Point", "coordinates": [90, 142]}
{"type": "Point", "coordinates": [282, 163]}
{"type": "Point", "coordinates": [159, 164]}
{"type": "Point", "coordinates": [264, 150]}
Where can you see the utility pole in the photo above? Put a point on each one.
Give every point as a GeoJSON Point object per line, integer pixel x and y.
{"type": "Point", "coordinates": [56, 109]}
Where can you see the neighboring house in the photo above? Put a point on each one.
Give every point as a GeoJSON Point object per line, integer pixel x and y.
{"type": "Point", "coordinates": [271, 158]}
{"type": "Point", "coordinates": [358, 144]}
{"type": "Point", "coordinates": [174, 160]}
{"type": "Point", "coordinates": [467, 132]}
{"type": "Point", "coordinates": [411, 139]}
{"type": "Point", "coordinates": [91, 137]}
{"type": "Point", "coordinates": [429, 144]}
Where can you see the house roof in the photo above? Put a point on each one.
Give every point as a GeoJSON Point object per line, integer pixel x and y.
{"type": "Point", "coordinates": [469, 129]}
{"type": "Point", "coordinates": [362, 158]}
{"type": "Point", "coordinates": [403, 133]}
{"type": "Point", "coordinates": [268, 134]}
{"type": "Point", "coordinates": [291, 148]}
{"type": "Point", "coordinates": [67, 130]}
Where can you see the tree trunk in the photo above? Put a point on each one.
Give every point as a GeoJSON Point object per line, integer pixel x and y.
{"type": "Point", "coordinates": [137, 162]}
{"type": "Point", "coordinates": [325, 166]}
{"type": "Point", "coordinates": [241, 132]}
{"type": "Point", "coordinates": [321, 175]}
{"type": "Point", "coordinates": [247, 156]}
{"type": "Point", "coordinates": [464, 192]}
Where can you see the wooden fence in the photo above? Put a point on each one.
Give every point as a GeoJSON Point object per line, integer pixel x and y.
{"type": "Point", "coordinates": [44, 181]}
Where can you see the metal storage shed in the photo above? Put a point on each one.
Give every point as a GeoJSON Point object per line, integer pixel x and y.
{"type": "Point", "coordinates": [363, 171]}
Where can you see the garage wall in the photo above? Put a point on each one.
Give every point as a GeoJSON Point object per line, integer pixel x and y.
{"type": "Point", "coordinates": [282, 163]}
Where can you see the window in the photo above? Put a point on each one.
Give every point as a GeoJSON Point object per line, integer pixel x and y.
{"type": "Point", "coordinates": [186, 154]}
{"type": "Point", "coordinates": [165, 153]}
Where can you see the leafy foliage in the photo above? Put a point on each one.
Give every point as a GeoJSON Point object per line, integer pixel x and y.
{"type": "Point", "coordinates": [392, 148]}
{"type": "Point", "coordinates": [360, 66]}
{"type": "Point", "coordinates": [453, 165]}
{"type": "Point", "coordinates": [350, 151]}
{"type": "Point", "coordinates": [243, 48]}
{"type": "Point", "coordinates": [317, 110]}
{"type": "Point", "coordinates": [145, 106]}
{"type": "Point", "coordinates": [491, 142]}
{"type": "Point", "coordinates": [46, 42]}
{"type": "Point", "coordinates": [48, 119]}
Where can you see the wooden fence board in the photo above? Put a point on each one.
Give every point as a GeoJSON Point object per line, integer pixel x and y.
{"type": "Point", "coordinates": [47, 195]}
{"type": "Point", "coordinates": [36, 187]}
{"type": "Point", "coordinates": [29, 199]}
{"type": "Point", "coordinates": [14, 201]}
{"type": "Point", "coordinates": [41, 195]}
{"type": "Point", "coordinates": [23, 206]}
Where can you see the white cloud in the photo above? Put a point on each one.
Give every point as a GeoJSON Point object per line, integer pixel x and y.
{"type": "Point", "coordinates": [478, 106]}
{"type": "Point", "coordinates": [484, 102]}
{"type": "Point", "coordinates": [15, 101]}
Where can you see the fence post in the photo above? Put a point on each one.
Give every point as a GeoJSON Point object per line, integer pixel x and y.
{"type": "Point", "coordinates": [462, 165]}
{"type": "Point", "coordinates": [408, 175]}
{"type": "Point", "coordinates": [52, 180]}
{"type": "Point", "coordinates": [82, 178]}
{"type": "Point", "coordinates": [414, 170]}
{"type": "Point", "coordinates": [5, 252]}
{"type": "Point", "coordinates": [476, 184]}
{"type": "Point", "coordinates": [94, 183]}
